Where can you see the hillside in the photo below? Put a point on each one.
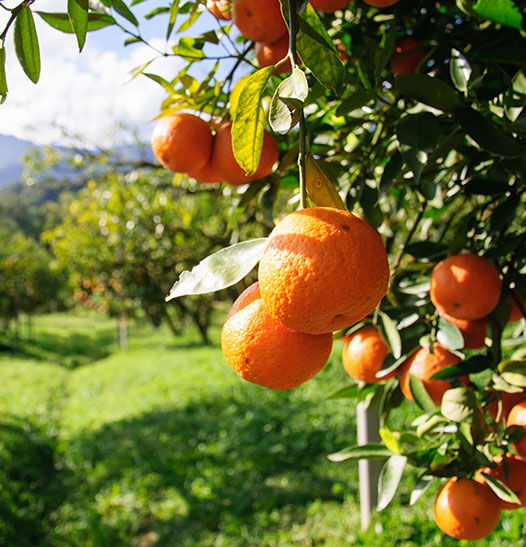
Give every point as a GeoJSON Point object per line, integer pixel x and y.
{"type": "Point", "coordinates": [12, 151]}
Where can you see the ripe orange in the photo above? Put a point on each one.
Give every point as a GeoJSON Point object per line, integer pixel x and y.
{"type": "Point", "coordinates": [182, 142]}
{"type": "Point", "coordinates": [509, 400]}
{"type": "Point", "coordinates": [466, 286]}
{"type": "Point", "coordinates": [270, 54]}
{"type": "Point", "coordinates": [322, 270]}
{"type": "Point", "coordinates": [515, 311]}
{"type": "Point", "coordinates": [512, 472]}
{"type": "Point", "coordinates": [380, 3]}
{"type": "Point", "coordinates": [517, 416]}
{"type": "Point", "coordinates": [406, 57]}
{"type": "Point", "coordinates": [423, 364]}
{"type": "Point", "coordinates": [363, 355]}
{"type": "Point", "coordinates": [205, 174]}
{"type": "Point", "coordinates": [329, 6]}
{"type": "Point", "coordinates": [222, 9]}
{"type": "Point", "coordinates": [259, 21]}
{"type": "Point", "coordinates": [466, 509]}
{"type": "Point", "coordinates": [225, 164]}
{"type": "Point", "coordinates": [265, 352]}
{"type": "Point", "coordinates": [473, 330]}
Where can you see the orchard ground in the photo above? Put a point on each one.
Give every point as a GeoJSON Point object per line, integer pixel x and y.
{"type": "Point", "coordinates": [165, 445]}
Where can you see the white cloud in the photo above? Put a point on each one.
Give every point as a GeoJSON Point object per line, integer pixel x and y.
{"type": "Point", "coordinates": [85, 94]}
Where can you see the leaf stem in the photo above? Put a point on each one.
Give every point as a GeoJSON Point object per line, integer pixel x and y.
{"type": "Point", "coordinates": [14, 14]}
{"type": "Point", "coordinates": [294, 27]}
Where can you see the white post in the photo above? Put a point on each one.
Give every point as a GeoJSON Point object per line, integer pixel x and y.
{"type": "Point", "coordinates": [368, 421]}
{"type": "Point", "coordinates": [123, 334]}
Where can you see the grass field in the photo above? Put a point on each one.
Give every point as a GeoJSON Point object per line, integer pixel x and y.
{"type": "Point", "coordinates": [164, 445]}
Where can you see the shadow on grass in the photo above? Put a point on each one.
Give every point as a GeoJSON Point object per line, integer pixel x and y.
{"type": "Point", "coordinates": [68, 349]}
{"type": "Point", "coordinates": [219, 465]}
{"type": "Point", "coordinates": [31, 486]}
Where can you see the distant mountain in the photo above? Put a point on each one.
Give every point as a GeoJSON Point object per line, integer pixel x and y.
{"type": "Point", "coordinates": [11, 152]}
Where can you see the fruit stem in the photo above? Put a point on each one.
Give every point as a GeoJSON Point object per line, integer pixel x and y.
{"type": "Point", "coordinates": [293, 31]}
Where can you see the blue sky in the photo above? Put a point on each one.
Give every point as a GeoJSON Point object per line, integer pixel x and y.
{"type": "Point", "coordinates": [87, 94]}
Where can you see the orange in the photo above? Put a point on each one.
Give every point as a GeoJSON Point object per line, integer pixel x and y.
{"type": "Point", "coordinates": [205, 174]}
{"type": "Point", "coordinates": [509, 400]}
{"type": "Point", "coordinates": [406, 57]}
{"type": "Point", "coordinates": [466, 286]}
{"type": "Point", "coordinates": [259, 21]}
{"type": "Point", "coordinates": [225, 164]}
{"type": "Point", "coordinates": [466, 509]}
{"type": "Point", "coordinates": [512, 472]}
{"type": "Point", "coordinates": [182, 142]}
{"type": "Point", "coordinates": [423, 364]}
{"type": "Point", "coordinates": [473, 330]}
{"type": "Point", "coordinates": [380, 3]}
{"type": "Point", "coordinates": [517, 416]}
{"type": "Point", "coordinates": [322, 269]}
{"type": "Point", "coordinates": [265, 352]}
{"type": "Point", "coordinates": [329, 6]}
{"type": "Point", "coordinates": [363, 355]}
{"type": "Point", "coordinates": [270, 54]}
{"type": "Point", "coordinates": [220, 8]}
{"type": "Point", "coordinates": [515, 311]}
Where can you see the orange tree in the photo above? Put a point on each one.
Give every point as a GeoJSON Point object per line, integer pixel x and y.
{"type": "Point", "coordinates": [411, 116]}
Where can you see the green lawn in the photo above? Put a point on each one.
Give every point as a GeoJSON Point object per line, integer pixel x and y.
{"type": "Point", "coordinates": [164, 445]}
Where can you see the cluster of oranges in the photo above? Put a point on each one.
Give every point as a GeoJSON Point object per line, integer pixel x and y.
{"type": "Point", "coordinates": [322, 270]}
{"type": "Point", "coordinates": [267, 29]}
{"type": "Point", "coordinates": [464, 289]}
{"type": "Point", "coordinates": [185, 143]}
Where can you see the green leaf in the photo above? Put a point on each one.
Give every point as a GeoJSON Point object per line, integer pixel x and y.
{"type": "Point", "coordinates": [460, 70]}
{"type": "Point", "coordinates": [189, 21]}
{"type": "Point", "coordinates": [389, 480]}
{"type": "Point", "coordinates": [390, 440]}
{"type": "Point", "coordinates": [347, 392]}
{"type": "Point", "coordinates": [387, 46]}
{"type": "Point", "coordinates": [362, 452]}
{"type": "Point", "coordinates": [420, 394]}
{"type": "Point", "coordinates": [486, 134]}
{"type": "Point", "coordinates": [391, 171]}
{"type": "Point", "coordinates": [500, 489]}
{"type": "Point", "coordinates": [60, 21]}
{"type": "Point", "coordinates": [122, 9]}
{"type": "Point", "coordinates": [418, 136]}
{"type": "Point", "coordinates": [392, 335]}
{"type": "Point", "coordinates": [26, 44]}
{"type": "Point", "coordinates": [186, 49]}
{"type": "Point", "coordinates": [460, 404]}
{"type": "Point", "coordinates": [249, 120]}
{"type": "Point", "coordinates": [220, 270]}
{"type": "Point", "coordinates": [78, 17]}
{"type": "Point", "coordinates": [427, 249]}
{"type": "Point", "coordinates": [174, 10]}
{"type": "Point", "coordinates": [515, 96]}
{"type": "Point", "coordinates": [359, 98]}
{"type": "Point", "coordinates": [449, 335]}
{"type": "Point", "coordinates": [287, 102]}
{"type": "Point", "coordinates": [317, 51]}
{"type": "Point", "coordinates": [513, 372]}
{"type": "Point", "coordinates": [499, 11]}
{"type": "Point", "coordinates": [3, 79]}
{"type": "Point", "coordinates": [472, 365]}
{"type": "Point", "coordinates": [423, 483]}
{"type": "Point", "coordinates": [430, 423]}
{"type": "Point", "coordinates": [428, 90]}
